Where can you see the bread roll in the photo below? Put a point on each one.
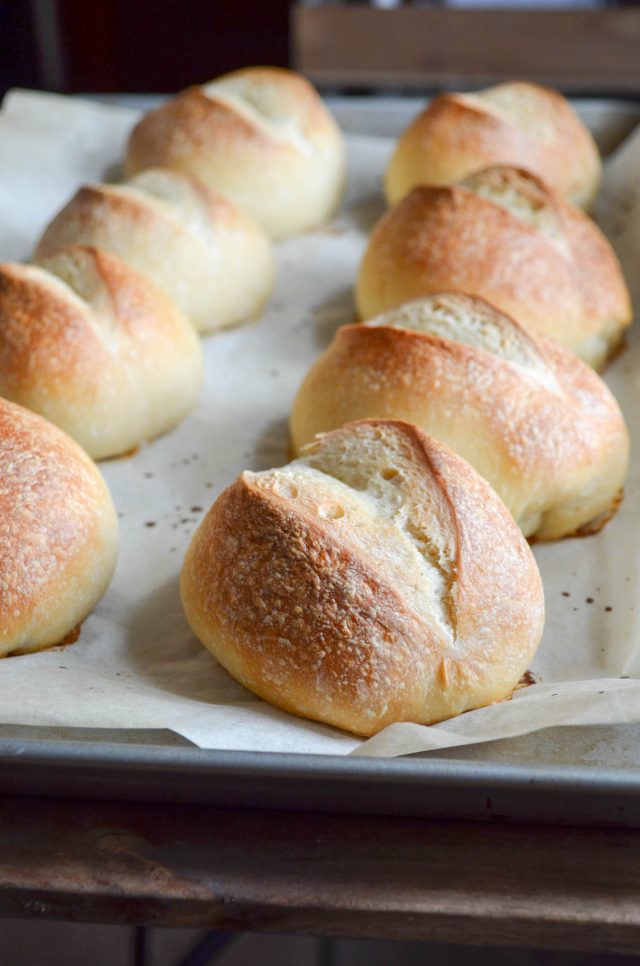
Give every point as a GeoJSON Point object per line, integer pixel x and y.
{"type": "Point", "coordinates": [214, 261]}
{"type": "Point", "coordinates": [376, 579]}
{"type": "Point", "coordinates": [517, 123]}
{"type": "Point", "coordinates": [529, 416]}
{"type": "Point", "coordinates": [58, 533]}
{"type": "Point", "coordinates": [503, 235]}
{"type": "Point", "coordinates": [95, 347]}
{"type": "Point", "coordinates": [261, 136]}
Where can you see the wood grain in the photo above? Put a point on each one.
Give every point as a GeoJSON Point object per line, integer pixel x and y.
{"type": "Point", "coordinates": [588, 51]}
{"type": "Point", "coordinates": [321, 874]}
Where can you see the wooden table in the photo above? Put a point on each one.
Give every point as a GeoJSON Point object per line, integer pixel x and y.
{"type": "Point", "coordinates": [336, 875]}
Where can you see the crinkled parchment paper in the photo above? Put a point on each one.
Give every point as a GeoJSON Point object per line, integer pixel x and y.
{"type": "Point", "coordinates": [136, 664]}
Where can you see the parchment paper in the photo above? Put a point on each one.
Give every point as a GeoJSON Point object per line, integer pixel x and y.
{"type": "Point", "coordinates": [136, 664]}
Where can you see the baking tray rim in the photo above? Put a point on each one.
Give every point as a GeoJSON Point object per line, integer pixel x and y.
{"type": "Point", "coordinates": [406, 786]}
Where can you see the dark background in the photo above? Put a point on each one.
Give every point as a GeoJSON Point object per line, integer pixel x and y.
{"type": "Point", "coordinates": [160, 46]}
{"type": "Point", "coordinates": [135, 45]}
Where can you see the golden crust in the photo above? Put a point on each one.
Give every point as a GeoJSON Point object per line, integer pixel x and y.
{"type": "Point", "coordinates": [315, 594]}
{"type": "Point", "coordinates": [543, 262]}
{"type": "Point", "coordinates": [261, 136]}
{"type": "Point", "coordinates": [516, 123]}
{"type": "Point", "coordinates": [541, 427]}
{"type": "Point", "coordinates": [196, 119]}
{"type": "Point", "coordinates": [213, 260]}
{"type": "Point", "coordinates": [96, 348]}
{"type": "Point", "coordinates": [58, 533]}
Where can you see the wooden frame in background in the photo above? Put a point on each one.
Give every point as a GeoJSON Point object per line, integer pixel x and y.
{"type": "Point", "coordinates": [579, 51]}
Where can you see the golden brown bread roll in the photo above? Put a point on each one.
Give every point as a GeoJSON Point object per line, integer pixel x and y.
{"type": "Point", "coordinates": [529, 416]}
{"type": "Point", "coordinates": [213, 260]}
{"type": "Point", "coordinates": [95, 347]}
{"type": "Point", "coordinates": [376, 579]}
{"type": "Point", "coordinates": [58, 533]}
{"type": "Point", "coordinates": [516, 123]}
{"type": "Point", "coordinates": [503, 235]}
{"type": "Point", "coordinates": [261, 136]}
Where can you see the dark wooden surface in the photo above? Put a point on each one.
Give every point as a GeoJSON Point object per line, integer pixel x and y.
{"type": "Point", "coordinates": [321, 874]}
{"type": "Point", "coordinates": [592, 51]}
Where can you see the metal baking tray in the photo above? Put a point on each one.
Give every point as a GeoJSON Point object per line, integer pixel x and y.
{"type": "Point", "coordinates": [490, 788]}
{"type": "Point", "coordinates": [586, 776]}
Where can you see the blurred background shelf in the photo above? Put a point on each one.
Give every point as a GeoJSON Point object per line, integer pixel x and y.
{"type": "Point", "coordinates": [140, 45]}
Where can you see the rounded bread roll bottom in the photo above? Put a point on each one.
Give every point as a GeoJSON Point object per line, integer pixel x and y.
{"type": "Point", "coordinates": [376, 579]}
{"type": "Point", "coordinates": [58, 533]}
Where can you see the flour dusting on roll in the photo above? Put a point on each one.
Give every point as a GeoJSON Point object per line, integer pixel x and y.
{"type": "Point", "coordinates": [58, 533]}
{"type": "Point", "coordinates": [505, 236]}
{"type": "Point", "coordinates": [375, 579]}
{"type": "Point", "coordinates": [97, 348]}
{"type": "Point", "coordinates": [261, 136]}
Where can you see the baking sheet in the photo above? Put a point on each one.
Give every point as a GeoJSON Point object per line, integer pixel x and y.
{"type": "Point", "coordinates": [136, 664]}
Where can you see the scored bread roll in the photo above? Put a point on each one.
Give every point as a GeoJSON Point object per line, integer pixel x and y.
{"type": "Point", "coordinates": [261, 136]}
{"type": "Point", "coordinates": [58, 533]}
{"type": "Point", "coordinates": [516, 123]}
{"type": "Point", "coordinates": [505, 236]}
{"type": "Point", "coordinates": [529, 416]}
{"type": "Point", "coordinates": [97, 348]}
{"type": "Point", "coordinates": [213, 260]}
{"type": "Point", "coordinates": [376, 579]}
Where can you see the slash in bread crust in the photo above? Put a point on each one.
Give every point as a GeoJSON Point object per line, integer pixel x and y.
{"type": "Point", "coordinates": [505, 236]}
{"type": "Point", "coordinates": [261, 136]}
{"type": "Point", "coordinates": [97, 348]}
{"type": "Point", "coordinates": [376, 579]}
{"type": "Point", "coordinates": [214, 261]}
{"type": "Point", "coordinates": [533, 419]}
{"type": "Point", "coordinates": [516, 123]}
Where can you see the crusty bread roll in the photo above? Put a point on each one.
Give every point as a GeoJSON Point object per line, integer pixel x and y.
{"type": "Point", "coordinates": [58, 533]}
{"type": "Point", "coordinates": [97, 348]}
{"type": "Point", "coordinates": [376, 579]}
{"type": "Point", "coordinates": [503, 235]}
{"type": "Point", "coordinates": [517, 123]}
{"type": "Point", "coordinates": [529, 416]}
{"type": "Point", "coordinates": [261, 136]}
{"type": "Point", "coordinates": [213, 260]}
